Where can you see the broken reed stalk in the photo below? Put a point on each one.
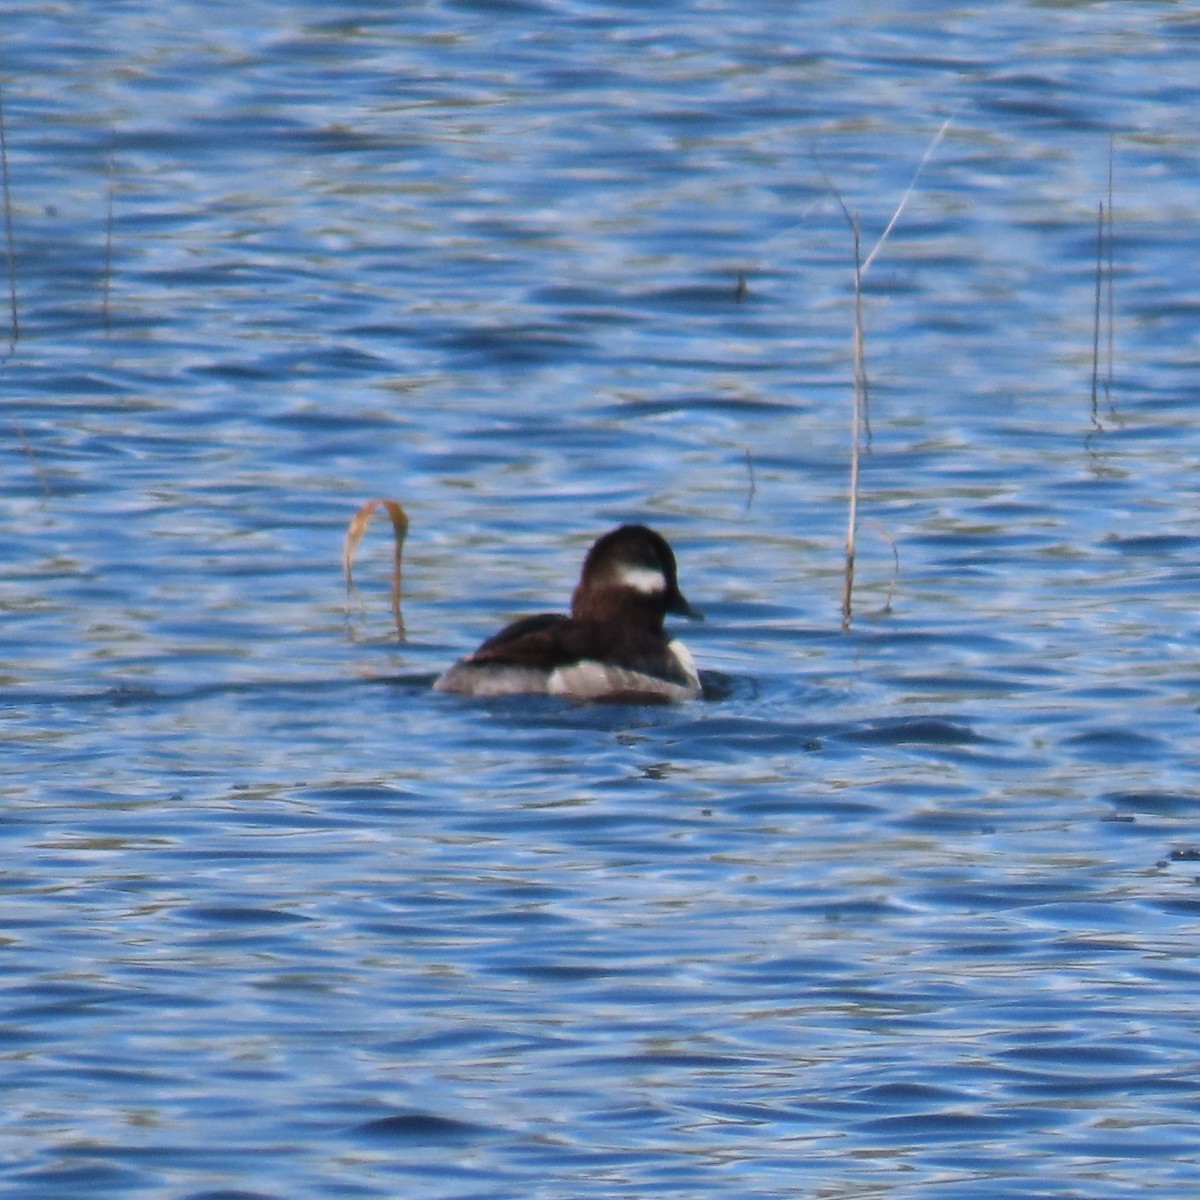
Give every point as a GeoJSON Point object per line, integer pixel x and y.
{"type": "Point", "coordinates": [354, 535]}
{"type": "Point", "coordinates": [881, 529]}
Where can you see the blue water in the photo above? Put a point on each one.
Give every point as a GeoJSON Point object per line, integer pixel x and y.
{"type": "Point", "coordinates": [908, 909]}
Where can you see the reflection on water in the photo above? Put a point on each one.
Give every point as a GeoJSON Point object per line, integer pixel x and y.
{"type": "Point", "coordinates": [900, 911]}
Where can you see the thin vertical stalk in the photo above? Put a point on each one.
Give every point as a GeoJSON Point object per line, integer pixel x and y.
{"type": "Point", "coordinates": [106, 286]}
{"type": "Point", "coordinates": [9, 244]}
{"type": "Point", "coordinates": [1096, 315]}
{"type": "Point", "coordinates": [1108, 379]}
{"type": "Point", "coordinates": [860, 402]}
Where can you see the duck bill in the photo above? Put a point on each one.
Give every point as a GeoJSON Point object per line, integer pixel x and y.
{"type": "Point", "coordinates": [681, 608]}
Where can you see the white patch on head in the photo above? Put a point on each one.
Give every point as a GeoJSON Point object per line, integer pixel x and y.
{"type": "Point", "coordinates": [648, 580]}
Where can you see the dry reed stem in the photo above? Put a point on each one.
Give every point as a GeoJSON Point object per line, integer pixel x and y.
{"type": "Point", "coordinates": [1108, 381]}
{"type": "Point", "coordinates": [14, 328]}
{"type": "Point", "coordinates": [354, 535]}
{"type": "Point", "coordinates": [106, 287]}
{"type": "Point", "coordinates": [860, 402]}
{"type": "Point", "coordinates": [9, 244]}
{"type": "Point", "coordinates": [908, 191]}
{"type": "Point", "coordinates": [861, 380]}
{"type": "Point", "coordinates": [1104, 287]}
{"type": "Point", "coordinates": [1096, 316]}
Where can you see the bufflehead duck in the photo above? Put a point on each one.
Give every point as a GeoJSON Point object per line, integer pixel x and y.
{"type": "Point", "coordinates": [611, 647]}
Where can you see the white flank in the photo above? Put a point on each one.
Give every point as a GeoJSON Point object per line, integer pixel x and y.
{"type": "Point", "coordinates": [600, 681]}
{"type": "Point", "coordinates": [648, 580]}
{"type": "Point", "coordinates": [590, 680]}
{"type": "Point", "coordinates": [492, 680]}
{"type": "Point", "coordinates": [683, 656]}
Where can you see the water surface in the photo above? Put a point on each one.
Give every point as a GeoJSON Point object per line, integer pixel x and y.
{"type": "Point", "coordinates": [904, 910]}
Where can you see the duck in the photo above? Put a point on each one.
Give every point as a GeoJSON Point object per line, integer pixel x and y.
{"type": "Point", "coordinates": [612, 647]}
